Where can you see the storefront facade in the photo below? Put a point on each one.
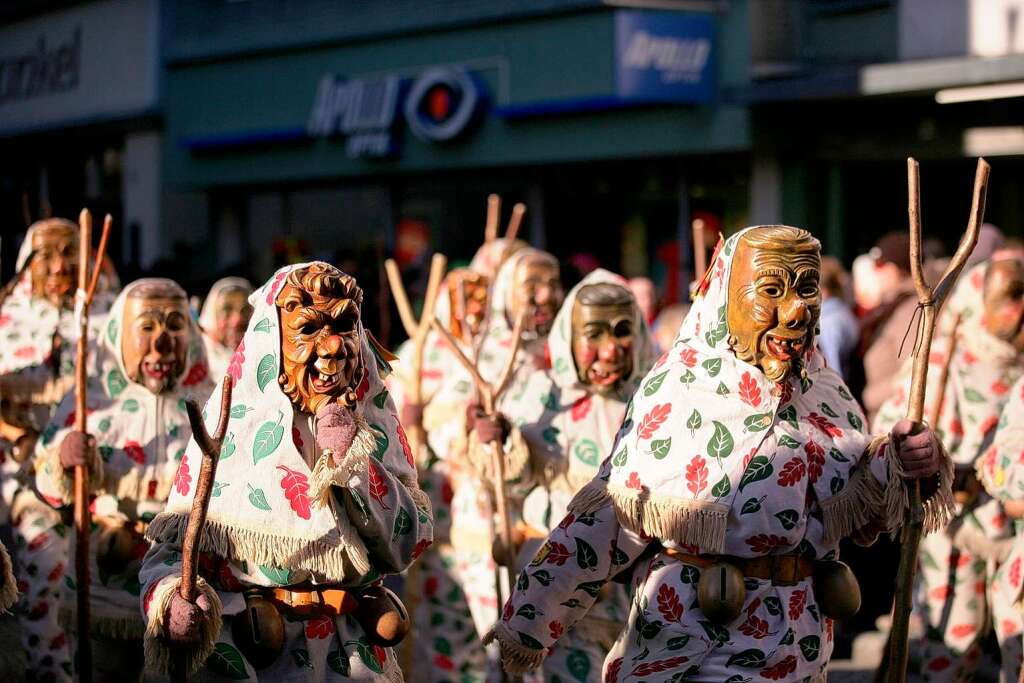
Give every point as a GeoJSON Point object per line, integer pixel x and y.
{"type": "Point", "coordinates": [80, 122]}
{"type": "Point", "coordinates": [610, 124]}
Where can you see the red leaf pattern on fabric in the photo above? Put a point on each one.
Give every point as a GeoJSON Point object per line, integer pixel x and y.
{"type": "Point", "coordinates": [297, 438]}
{"type": "Point", "coordinates": [688, 357]}
{"type": "Point", "coordinates": [669, 606]}
{"type": "Point", "coordinates": [634, 481]}
{"type": "Point", "coordinates": [558, 554]}
{"type": "Point", "coordinates": [648, 668]}
{"type": "Point", "coordinates": [580, 408]}
{"type": "Point", "coordinates": [792, 472]}
{"type": "Point", "coordinates": [320, 627]}
{"type": "Point", "coordinates": [653, 419]}
{"type": "Point", "coordinates": [378, 487]}
{"type": "Point", "coordinates": [197, 374]}
{"type": "Point", "coordinates": [781, 670]}
{"type": "Point", "coordinates": [825, 425]}
{"type": "Point", "coordinates": [755, 627]}
{"type": "Point", "coordinates": [815, 460]}
{"type": "Point", "coordinates": [611, 675]}
{"type": "Point", "coordinates": [797, 602]}
{"type": "Point", "coordinates": [697, 475]}
{"type": "Point", "coordinates": [1015, 573]}
{"type": "Point", "coordinates": [404, 441]}
{"type": "Point", "coordinates": [274, 286]}
{"type": "Point", "coordinates": [555, 629]}
{"type": "Point", "coordinates": [750, 393]}
{"type": "Point", "coordinates": [296, 490]}
{"type": "Point", "coordinates": [182, 479]}
{"type": "Point", "coordinates": [236, 362]}
{"type": "Point", "coordinates": [133, 449]}
{"type": "Point", "coordinates": [762, 544]}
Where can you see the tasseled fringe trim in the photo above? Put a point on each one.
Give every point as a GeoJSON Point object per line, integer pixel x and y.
{"type": "Point", "coordinates": [9, 591]}
{"type": "Point", "coordinates": [938, 509]}
{"type": "Point", "coordinates": [854, 507]}
{"type": "Point", "coordinates": [516, 659]}
{"type": "Point", "coordinates": [326, 474]}
{"type": "Point", "coordinates": [115, 628]}
{"type": "Point", "coordinates": [517, 457]}
{"type": "Point", "coordinates": [689, 522]}
{"type": "Point", "coordinates": [333, 561]}
{"type": "Point", "coordinates": [158, 652]}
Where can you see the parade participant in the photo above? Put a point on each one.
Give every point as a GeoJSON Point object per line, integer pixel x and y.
{"type": "Point", "coordinates": [738, 469]}
{"type": "Point", "coordinates": [315, 500]}
{"type": "Point", "coordinates": [225, 315]}
{"type": "Point", "coordinates": [974, 361]}
{"type": "Point", "coordinates": [569, 415]}
{"type": "Point", "coordinates": [528, 283]}
{"type": "Point", "coordinates": [151, 359]}
{"type": "Point", "coordinates": [37, 325]}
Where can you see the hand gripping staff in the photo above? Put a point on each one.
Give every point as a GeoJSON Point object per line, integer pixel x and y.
{"type": "Point", "coordinates": [210, 447]}
{"type": "Point", "coordinates": [929, 301]}
{"type": "Point", "coordinates": [87, 282]}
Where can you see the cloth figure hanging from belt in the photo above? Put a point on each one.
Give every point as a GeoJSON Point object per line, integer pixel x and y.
{"type": "Point", "coordinates": [1001, 472]}
{"type": "Point", "coordinates": [986, 361]}
{"type": "Point", "coordinates": [315, 500]}
{"type": "Point", "coordinates": [569, 415]}
{"type": "Point", "coordinates": [529, 281]}
{"type": "Point", "coordinates": [37, 360]}
{"type": "Point", "coordinates": [223, 320]}
{"type": "Point", "coordinates": [151, 360]}
{"type": "Point", "coordinates": [743, 458]}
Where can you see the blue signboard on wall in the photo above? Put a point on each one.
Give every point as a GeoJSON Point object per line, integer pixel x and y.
{"type": "Point", "coordinates": [664, 56]}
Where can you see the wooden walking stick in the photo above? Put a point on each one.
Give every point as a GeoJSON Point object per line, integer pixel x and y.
{"type": "Point", "coordinates": [210, 447]}
{"type": "Point", "coordinates": [700, 254]}
{"type": "Point", "coordinates": [929, 301]}
{"type": "Point", "coordinates": [417, 331]}
{"type": "Point", "coordinates": [87, 282]}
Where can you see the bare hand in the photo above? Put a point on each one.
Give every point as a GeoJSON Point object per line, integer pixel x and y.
{"type": "Point", "coordinates": [183, 620]}
{"type": "Point", "coordinates": [335, 429]}
{"type": "Point", "coordinates": [918, 452]}
{"type": "Point", "coordinates": [78, 448]}
{"type": "Point", "coordinates": [491, 429]}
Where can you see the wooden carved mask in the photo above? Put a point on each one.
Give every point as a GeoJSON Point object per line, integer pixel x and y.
{"type": "Point", "coordinates": [604, 320]}
{"type": "Point", "coordinates": [1003, 297]}
{"type": "Point", "coordinates": [321, 362]}
{"type": "Point", "coordinates": [54, 267]}
{"type": "Point", "coordinates": [155, 337]}
{"type": "Point", "coordinates": [774, 299]}
{"type": "Point", "coordinates": [537, 289]}
{"type": "Point", "coordinates": [467, 295]}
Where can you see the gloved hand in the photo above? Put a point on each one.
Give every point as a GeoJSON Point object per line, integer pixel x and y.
{"type": "Point", "coordinates": [491, 429]}
{"type": "Point", "coordinates": [335, 429]}
{"type": "Point", "coordinates": [78, 448]}
{"type": "Point", "coordinates": [183, 620]}
{"type": "Point", "coordinates": [918, 453]}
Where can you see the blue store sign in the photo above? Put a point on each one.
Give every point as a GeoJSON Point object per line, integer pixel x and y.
{"type": "Point", "coordinates": [664, 56]}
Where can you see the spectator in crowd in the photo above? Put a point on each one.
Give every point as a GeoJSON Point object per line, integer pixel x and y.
{"type": "Point", "coordinates": [866, 292]}
{"type": "Point", "coordinates": [839, 327]}
{"type": "Point", "coordinates": [666, 326]}
{"type": "Point", "coordinates": [887, 329]}
{"type": "Point", "coordinates": [646, 296]}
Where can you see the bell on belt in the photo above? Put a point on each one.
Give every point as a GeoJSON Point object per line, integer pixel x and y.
{"type": "Point", "coordinates": [721, 593]}
{"type": "Point", "coordinates": [383, 616]}
{"type": "Point", "coordinates": [259, 631]}
{"type": "Point", "coordinates": [836, 590]}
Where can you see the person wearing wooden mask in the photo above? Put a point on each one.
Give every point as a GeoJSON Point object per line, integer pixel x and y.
{"type": "Point", "coordinates": [38, 335]}
{"type": "Point", "coordinates": [151, 359]}
{"type": "Point", "coordinates": [224, 317]}
{"type": "Point", "coordinates": [740, 464]}
{"type": "Point", "coordinates": [977, 356]}
{"type": "Point", "coordinates": [569, 415]}
{"type": "Point", "coordinates": [316, 499]}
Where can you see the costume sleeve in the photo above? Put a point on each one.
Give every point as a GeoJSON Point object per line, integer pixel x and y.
{"type": "Point", "coordinates": [1000, 468]}
{"type": "Point", "coordinates": [160, 577]}
{"type": "Point", "coordinates": [561, 584]}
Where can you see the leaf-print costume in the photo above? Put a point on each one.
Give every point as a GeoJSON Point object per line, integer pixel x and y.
{"type": "Point", "coordinates": [958, 562]}
{"type": "Point", "coordinates": [714, 460]}
{"type": "Point", "coordinates": [34, 372]}
{"type": "Point", "coordinates": [141, 438]}
{"type": "Point", "coordinates": [217, 355]}
{"type": "Point", "coordinates": [1001, 471]}
{"type": "Point", "coordinates": [282, 514]}
{"type": "Point", "coordinates": [568, 429]}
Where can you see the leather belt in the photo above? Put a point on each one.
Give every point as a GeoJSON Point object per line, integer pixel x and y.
{"type": "Point", "coordinates": [305, 602]}
{"type": "Point", "coordinates": [782, 570]}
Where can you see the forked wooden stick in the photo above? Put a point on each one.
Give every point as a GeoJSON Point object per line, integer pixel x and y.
{"type": "Point", "coordinates": [700, 255]}
{"type": "Point", "coordinates": [493, 216]}
{"type": "Point", "coordinates": [930, 301]}
{"type": "Point", "coordinates": [83, 520]}
{"type": "Point", "coordinates": [417, 331]}
{"type": "Point", "coordinates": [210, 447]}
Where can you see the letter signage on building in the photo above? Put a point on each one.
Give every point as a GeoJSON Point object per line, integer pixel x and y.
{"type": "Point", "coordinates": [664, 56]}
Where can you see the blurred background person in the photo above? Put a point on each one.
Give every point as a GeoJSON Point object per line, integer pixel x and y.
{"type": "Point", "coordinates": [866, 292]}
{"type": "Point", "coordinates": [646, 295]}
{"type": "Point", "coordinates": [839, 327]}
{"type": "Point", "coordinates": [666, 326]}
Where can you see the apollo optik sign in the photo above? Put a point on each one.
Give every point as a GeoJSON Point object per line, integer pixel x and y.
{"type": "Point", "coordinates": [664, 56]}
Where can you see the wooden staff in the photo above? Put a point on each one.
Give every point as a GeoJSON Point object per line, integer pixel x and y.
{"type": "Point", "coordinates": [417, 331]}
{"type": "Point", "coordinates": [83, 520]}
{"type": "Point", "coordinates": [700, 255]}
{"type": "Point", "coordinates": [210, 447]}
{"type": "Point", "coordinates": [929, 300]}
{"type": "Point", "coordinates": [489, 395]}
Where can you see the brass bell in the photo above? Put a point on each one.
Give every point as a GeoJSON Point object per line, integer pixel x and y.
{"type": "Point", "coordinates": [836, 590]}
{"type": "Point", "coordinates": [721, 592]}
{"type": "Point", "coordinates": [383, 617]}
{"type": "Point", "coordinates": [258, 631]}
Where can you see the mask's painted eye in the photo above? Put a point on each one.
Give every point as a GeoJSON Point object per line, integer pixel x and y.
{"type": "Point", "coordinates": [309, 328]}
{"type": "Point", "coordinates": [772, 291]}
{"type": "Point", "coordinates": [808, 291]}
{"type": "Point", "coordinates": [623, 329]}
